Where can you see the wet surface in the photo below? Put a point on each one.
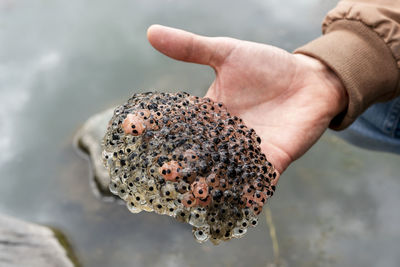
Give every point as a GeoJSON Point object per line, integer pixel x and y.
{"type": "Point", "coordinates": [63, 61]}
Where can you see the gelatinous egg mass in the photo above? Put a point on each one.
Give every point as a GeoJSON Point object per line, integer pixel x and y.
{"type": "Point", "coordinates": [188, 158]}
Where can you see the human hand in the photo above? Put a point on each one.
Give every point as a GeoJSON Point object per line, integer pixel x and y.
{"type": "Point", "coordinates": [289, 99]}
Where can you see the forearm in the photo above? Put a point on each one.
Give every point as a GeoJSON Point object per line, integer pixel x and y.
{"type": "Point", "coordinates": [361, 44]}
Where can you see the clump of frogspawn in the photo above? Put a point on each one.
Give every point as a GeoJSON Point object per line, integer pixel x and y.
{"type": "Point", "coordinates": [188, 158]}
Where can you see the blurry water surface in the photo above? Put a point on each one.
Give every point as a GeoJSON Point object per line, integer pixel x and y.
{"type": "Point", "coordinates": [63, 61]}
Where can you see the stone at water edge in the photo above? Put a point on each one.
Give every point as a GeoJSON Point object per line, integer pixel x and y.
{"type": "Point", "coordinates": [88, 139]}
{"type": "Point", "coordinates": [28, 244]}
{"type": "Point", "coordinates": [188, 158]}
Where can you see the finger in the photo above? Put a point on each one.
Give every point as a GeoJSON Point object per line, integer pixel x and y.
{"type": "Point", "coordinates": [186, 46]}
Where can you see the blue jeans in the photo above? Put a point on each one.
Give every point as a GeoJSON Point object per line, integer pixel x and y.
{"type": "Point", "coordinates": [378, 128]}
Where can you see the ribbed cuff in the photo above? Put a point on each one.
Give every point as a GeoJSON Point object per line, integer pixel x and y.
{"type": "Point", "coordinates": [362, 61]}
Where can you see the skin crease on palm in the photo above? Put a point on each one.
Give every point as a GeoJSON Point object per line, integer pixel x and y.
{"type": "Point", "coordinates": [289, 99]}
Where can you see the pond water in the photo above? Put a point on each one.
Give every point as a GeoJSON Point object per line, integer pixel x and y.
{"type": "Point", "coordinates": [63, 61]}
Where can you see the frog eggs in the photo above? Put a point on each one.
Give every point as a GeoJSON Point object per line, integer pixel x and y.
{"type": "Point", "coordinates": [187, 157]}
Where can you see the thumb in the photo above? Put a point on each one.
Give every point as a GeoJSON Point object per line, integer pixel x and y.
{"type": "Point", "coordinates": [186, 46]}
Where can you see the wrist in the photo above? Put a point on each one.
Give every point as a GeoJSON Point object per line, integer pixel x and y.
{"type": "Point", "coordinates": [317, 73]}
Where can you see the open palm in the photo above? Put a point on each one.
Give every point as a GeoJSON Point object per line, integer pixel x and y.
{"type": "Point", "coordinates": [288, 99]}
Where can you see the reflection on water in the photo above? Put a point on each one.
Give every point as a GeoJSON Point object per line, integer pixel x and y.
{"type": "Point", "coordinates": [62, 61]}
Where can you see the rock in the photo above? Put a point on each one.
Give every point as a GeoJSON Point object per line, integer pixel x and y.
{"type": "Point", "coordinates": [27, 244]}
{"type": "Point", "coordinates": [88, 140]}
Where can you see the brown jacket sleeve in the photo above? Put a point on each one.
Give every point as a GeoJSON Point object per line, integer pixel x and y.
{"type": "Point", "coordinates": [361, 44]}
